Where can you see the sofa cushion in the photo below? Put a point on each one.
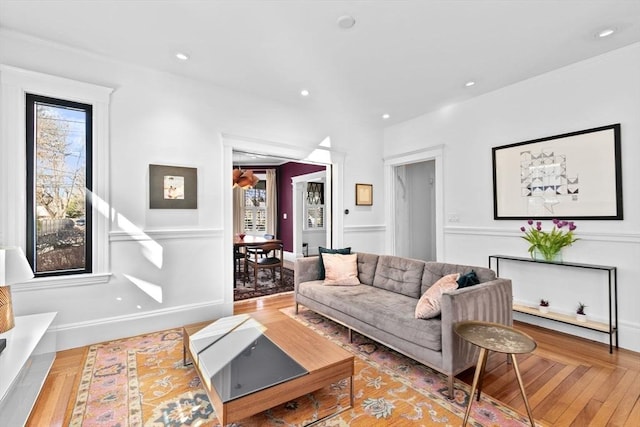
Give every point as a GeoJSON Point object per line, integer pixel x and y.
{"type": "Point", "coordinates": [390, 312]}
{"type": "Point", "coordinates": [433, 271]}
{"type": "Point", "coordinates": [399, 275]}
{"type": "Point", "coordinates": [340, 269]}
{"type": "Point", "coordinates": [429, 304]}
{"type": "Point", "coordinates": [367, 264]}
{"type": "Point", "coordinates": [321, 250]}
{"type": "Point", "coordinates": [468, 279]}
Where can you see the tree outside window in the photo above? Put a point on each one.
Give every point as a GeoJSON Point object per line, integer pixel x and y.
{"type": "Point", "coordinates": [58, 185]}
{"type": "Point", "coordinates": [255, 209]}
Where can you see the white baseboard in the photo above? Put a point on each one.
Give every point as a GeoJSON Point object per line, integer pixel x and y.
{"type": "Point", "coordinates": [72, 335]}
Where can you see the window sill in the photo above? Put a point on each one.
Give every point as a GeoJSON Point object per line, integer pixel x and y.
{"type": "Point", "coordinates": [61, 282]}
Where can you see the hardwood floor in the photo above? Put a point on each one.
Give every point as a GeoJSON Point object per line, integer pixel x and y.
{"type": "Point", "coordinates": [569, 381]}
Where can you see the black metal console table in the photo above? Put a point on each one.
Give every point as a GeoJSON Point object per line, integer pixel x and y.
{"type": "Point", "coordinates": [611, 328]}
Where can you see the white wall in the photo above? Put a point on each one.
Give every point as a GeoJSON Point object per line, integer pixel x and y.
{"type": "Point", "coordinates": [600, 91]}
{"type": "Point", "coordinates": [167, 265]}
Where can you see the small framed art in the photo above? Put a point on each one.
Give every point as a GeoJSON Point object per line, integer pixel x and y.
{"type": "Point", "coordinates": [364, 194]}
{"type": "Point", "coordinates": [173, 187]}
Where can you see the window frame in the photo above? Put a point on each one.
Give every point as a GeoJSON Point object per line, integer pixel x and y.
{"type": "Point", "coordinates": [31, 228]}
{"type": "Point", "coordinates": [308, 206]}
{"type": "Point", "coordinates": [14, 84]}
{"type": "Point", "coordinates": [255, 211]}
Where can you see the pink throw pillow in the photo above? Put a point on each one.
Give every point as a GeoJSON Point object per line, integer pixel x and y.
{"type": "Point", "coordinates": [429, 304]}
{"type": "Point", "coordinates": [340, 269]}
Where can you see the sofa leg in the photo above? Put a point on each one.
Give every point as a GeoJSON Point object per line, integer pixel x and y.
{"type": "Point", "coordinates": [296, 308]}
{"type": "Point", "coordinates": [350, 335]}
{"type": "Point", "coordinates": [451, 388]}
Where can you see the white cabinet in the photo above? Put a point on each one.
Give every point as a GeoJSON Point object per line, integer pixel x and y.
{"type": "Point", "coordinates": [24, 366]}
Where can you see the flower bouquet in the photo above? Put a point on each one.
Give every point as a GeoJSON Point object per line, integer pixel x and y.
{"type": "Point", "coordinates": [548, 243]}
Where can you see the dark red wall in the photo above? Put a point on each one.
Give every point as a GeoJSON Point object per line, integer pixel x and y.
{"type": "Point", "coordinates": [285, 198]}
{"type": "Point", "coordinates": [284, 173]}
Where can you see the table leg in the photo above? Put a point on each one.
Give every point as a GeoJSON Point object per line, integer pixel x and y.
{"type": "Point", "coordinates": [521, 384]}
{"type": "Point", "coordinates": [480, 380]}
{"type": "Point", "coordinates": [352, 398]}
{"type": "Point", "coordinates": [479, 372]}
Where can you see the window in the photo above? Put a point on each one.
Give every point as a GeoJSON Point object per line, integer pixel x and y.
{"type": "Point", "coordinates": [15, 83]}
{"type": "Point", "coordinates": [59, 184]}
{"type": "Point", "coordinates": [255, 208]}
{"type": "Point", "coordinates": [314, 206]}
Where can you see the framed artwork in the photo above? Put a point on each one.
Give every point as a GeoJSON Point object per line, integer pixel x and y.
{"type": "Point", "coordinates": [569, 176]}
{"type": "Point", "coordinates": [364, 194]}
{"type": "Point", "coordinates": [173, 187]}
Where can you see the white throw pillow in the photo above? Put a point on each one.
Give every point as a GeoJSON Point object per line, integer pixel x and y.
{"type": "Point", "coordinates": [430, 301]}
{"type": "Point", "coordinates": [340, 269]}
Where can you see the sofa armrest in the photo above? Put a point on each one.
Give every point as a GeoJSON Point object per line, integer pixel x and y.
{"type": "Point", "coordinates": [489, 302]}
{"type": "Point", "coordinates": [305, 270]}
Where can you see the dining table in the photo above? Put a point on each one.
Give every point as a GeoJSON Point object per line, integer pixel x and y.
{"type": "Point", "coordinates": [247, 240]}
{"type": "Point", "coordinates": [240, 245]}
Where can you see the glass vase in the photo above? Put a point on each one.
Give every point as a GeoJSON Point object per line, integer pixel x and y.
{"type": "Point", "coordinates": [539, 256]}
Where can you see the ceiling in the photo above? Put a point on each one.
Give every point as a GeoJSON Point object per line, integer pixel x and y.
{"type": "Point", "coordinates": [403, 58]}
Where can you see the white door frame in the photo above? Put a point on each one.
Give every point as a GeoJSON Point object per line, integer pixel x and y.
{"type": "Point", "coordinates": [275, 149]}
{"type": "Point", "coordinates": [432, 153]}
{"type": "Point", "coordinates": [298, 189]}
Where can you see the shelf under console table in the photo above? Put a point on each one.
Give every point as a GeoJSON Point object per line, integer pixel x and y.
{"type": "Point", "coordinates": [24, 366]}
{"type": "Point", "coordinates": [611, 328]}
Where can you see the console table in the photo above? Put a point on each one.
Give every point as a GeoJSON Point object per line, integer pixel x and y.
{"type": "Point", "coordinates": [611, 328]}
{"type": "Point", "coordinates": [24, 366]}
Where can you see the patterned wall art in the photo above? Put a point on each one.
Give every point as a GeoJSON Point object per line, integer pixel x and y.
{"type": "Point", "coordinates": [568, 176]}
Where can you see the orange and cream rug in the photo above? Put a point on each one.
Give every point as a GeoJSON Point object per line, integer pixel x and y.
{"type": "Point", "coordinates": [141, 381]}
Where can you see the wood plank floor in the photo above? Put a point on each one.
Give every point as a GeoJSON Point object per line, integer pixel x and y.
{"type": "Point", "coordinates": [569, 381]}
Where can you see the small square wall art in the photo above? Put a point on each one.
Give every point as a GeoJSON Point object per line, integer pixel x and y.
{"type": "Point", "coordinates": [173, 187]}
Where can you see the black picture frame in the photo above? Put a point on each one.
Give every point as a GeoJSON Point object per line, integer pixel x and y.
{"type": "Point", "coordinates": [576, 175]}
{"type": "Point", "coordinates": [173, 187]}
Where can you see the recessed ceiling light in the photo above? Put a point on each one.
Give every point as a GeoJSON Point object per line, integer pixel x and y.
{"type": "Point", "coordinates": [385, 116]}
{"type": "Point", "coordinates": [305, 92]}
{"type": "Point", "coordinates": [469, 83]}
{"type": "Point", "coordinates": [605, 33]}
{"type": "Point", "coordinates": [346, 21]}
{"type": "Point", "coordinates": [182, 56]}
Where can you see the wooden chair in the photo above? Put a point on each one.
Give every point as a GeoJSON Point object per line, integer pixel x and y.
{"type": "Point", "coordinates": [238, 258]}
{"type": "Point", "coordinates": [272, 258]}
{"type": "Point", "coordinates": [253, 249]}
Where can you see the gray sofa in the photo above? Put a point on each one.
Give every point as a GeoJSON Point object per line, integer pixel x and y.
{"type": "Point", "coordinates": [383, 306]}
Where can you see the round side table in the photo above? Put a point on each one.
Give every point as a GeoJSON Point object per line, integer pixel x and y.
{"type": "Point", "coordinates": [499, 338]}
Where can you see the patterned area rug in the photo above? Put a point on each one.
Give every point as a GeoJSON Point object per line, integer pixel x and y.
{"type": "Point", "coordinates": [141, 381]}
{"type": "Point", "coordinates": [423, 382]}
{"type": "Point", "coordinates": [266, 284]}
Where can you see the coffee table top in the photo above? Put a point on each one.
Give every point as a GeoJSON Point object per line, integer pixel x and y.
{"type": "Point", "coordinates": [232, 354]}
{"type": "Point", "coordinates": [495, 337]}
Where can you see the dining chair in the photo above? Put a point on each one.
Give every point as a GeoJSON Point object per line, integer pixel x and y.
{"type": "Point", "coordinates": [272, 260]}
{"type": "Point", "coordinates": [251, 250]}
{"type": "Point", "coordinates": [238, 258]}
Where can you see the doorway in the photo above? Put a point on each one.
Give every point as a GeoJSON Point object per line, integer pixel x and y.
{"type": "Point", "coordinates": [321, 154]}
{"type": "Point", "coordinates": [415, 225]}
{"type": "Point", "coordinates": [415, 193]}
